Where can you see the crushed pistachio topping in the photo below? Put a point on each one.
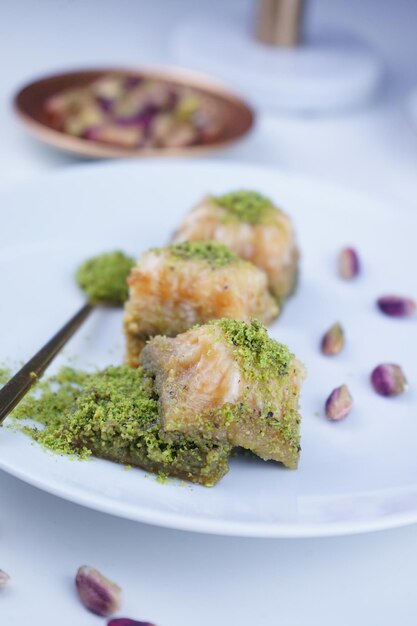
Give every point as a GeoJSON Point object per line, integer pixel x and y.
{"type": "Point", "coordinates": [5, 374]}
{"type": "Point", "coordinates": [262, 360]}
{"type": "Point", "coordinates": [246, 206]}
{"type": "Point", "coordinates": [259, 355]}
{"type": "Point", "coordinates": [48, 403]}
{"type": "Point", "coordinates": [114, 414]}
{"type": "Point", "coordinates": [103, 278]}
{"type": "Point", "coordinates": [115, 402]}
{"type": "Point", "coordinates": [216, 254]}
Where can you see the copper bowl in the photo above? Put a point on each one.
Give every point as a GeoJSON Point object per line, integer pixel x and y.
{"type": "Point", "coordinates": [236, 117]}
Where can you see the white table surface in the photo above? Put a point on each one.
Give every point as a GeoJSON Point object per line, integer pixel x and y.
{"type": "Point", "coordinates": [169, 577]}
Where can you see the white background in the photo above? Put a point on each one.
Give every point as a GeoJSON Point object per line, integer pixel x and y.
{"type": "Point", "coordinates": [169, 577]}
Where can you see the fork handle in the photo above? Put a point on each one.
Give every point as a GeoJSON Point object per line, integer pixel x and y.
{"type": "Point", "coordinates": [14, 390]}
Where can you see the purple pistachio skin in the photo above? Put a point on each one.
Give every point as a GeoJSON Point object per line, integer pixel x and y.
{"type": "Point", "coordinates": [349, 266]}
{"type": "Point", "coordinates": [143, 117]}
{"type": "Point", "coordinates": [397, 306]}
{"type": "Point", "coordinates": [333, 341]}
{"type": "Point", "coordinates": [97, 593]}
{"type": "Point", "coordinates": [105, 104]}
{"type": "Point", "coordinates": [131, 82]}
{"type": "Point", "coordinates": [125, 621]}
{"type": "Point", "coordinates": [339, 403]}
{"type": "Point", "coordinates": [388, 380]}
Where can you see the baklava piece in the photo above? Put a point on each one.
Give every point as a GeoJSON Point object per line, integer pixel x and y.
{"type": "Point", "coordinates": [227, 381]}
{"type": "Point", "coordinates": [173, 288]}
{"type": "Point", "coordinates": [253, 227]}
{"type": "Point", "coordinates": [115, 417]}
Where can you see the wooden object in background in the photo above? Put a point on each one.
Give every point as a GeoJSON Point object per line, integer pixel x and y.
{"type": "Point", "coordinates": [278, 22]}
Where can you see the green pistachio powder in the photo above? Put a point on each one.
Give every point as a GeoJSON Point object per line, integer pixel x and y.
{"type": "Point", "coordinates": [103, 278]}
{"type": "Point", "coordinates": [214, 253]}
{"type": "Point", "coordinates": [259, 356]}
{"type": "Point", "coordinates": [247, 206]}
{"type": "Point", "coordinates": [261, 359]}
{"type": "Point", "coordinates": [5, 374]}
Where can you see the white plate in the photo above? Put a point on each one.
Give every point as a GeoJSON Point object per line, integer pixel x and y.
{"type": "Point", "coordinates": [357, 475]}
{"type": "Point", "coordinates": [411, 107]}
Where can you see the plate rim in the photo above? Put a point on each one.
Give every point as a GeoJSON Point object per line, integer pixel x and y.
{"type": "Point", "coordinates": [209, 526]}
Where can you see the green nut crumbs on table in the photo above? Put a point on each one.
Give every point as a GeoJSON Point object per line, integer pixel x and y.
{"type": "Point", "coordinates": [103, 278]}
{"type": "Point", "coordinates": [216, 254]}
{"type": "Point", "coordinates": [246, 206]}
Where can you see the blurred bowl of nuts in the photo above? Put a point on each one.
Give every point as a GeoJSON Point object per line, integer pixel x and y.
{"type": "Point", "coordinates": [112, 113]}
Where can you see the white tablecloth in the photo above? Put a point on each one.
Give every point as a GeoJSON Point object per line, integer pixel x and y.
{"type": "Point", "coordinates": [170, 577]}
